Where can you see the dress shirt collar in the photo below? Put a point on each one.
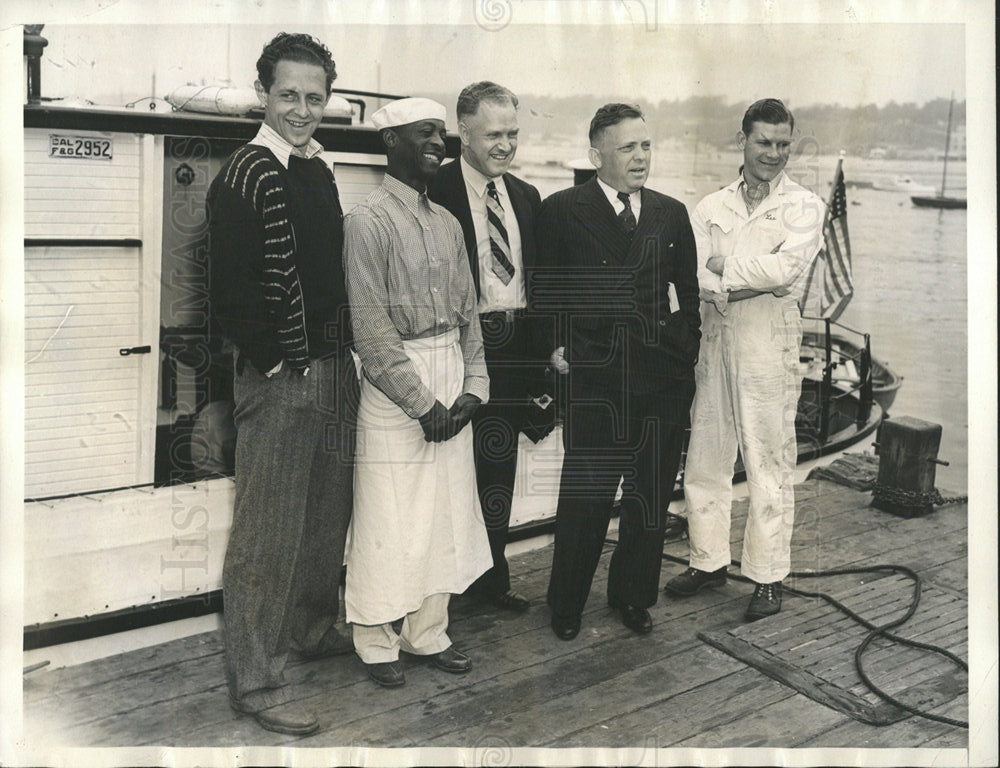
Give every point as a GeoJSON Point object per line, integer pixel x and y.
{"type": "Point", "coordinates": [477, 181]}
{"type": "Point", "coordinates": [270, 138]}
{"type": "Point", "coordinates": [743, 188]}
{"type": "Point", "coordinates": [737, 200]}
{"type": "Point", "coordinates": [406, 194]}
{"type": "Point", "coordinates": [612, 194]}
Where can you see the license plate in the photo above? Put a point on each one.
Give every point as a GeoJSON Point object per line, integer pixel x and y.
{"type": "Point", "coordinates": [80, 147]}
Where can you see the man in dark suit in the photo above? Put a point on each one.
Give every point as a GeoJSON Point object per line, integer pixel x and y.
{"type": "Point", "coordinates": [497, 212]}
{"type": "Point", "coordinates": [617, 266]}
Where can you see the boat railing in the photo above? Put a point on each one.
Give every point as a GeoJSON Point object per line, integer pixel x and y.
{"type": "Point", "coordinates": [361, 102]}
{"type": "Point", "coordinates": [864, 387]}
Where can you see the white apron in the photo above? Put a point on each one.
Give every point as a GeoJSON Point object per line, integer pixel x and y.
{"type": "Point", "coordinates": [417, 529]}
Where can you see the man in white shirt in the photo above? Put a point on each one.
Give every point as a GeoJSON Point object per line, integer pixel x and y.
{"type": "Point", "coordinates": [497, 212]}
{"type": "Point", "coordinates": [756, 239]}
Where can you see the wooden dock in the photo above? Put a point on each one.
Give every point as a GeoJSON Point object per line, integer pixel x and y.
{"type": "Point", "coordinates": [607, 688]}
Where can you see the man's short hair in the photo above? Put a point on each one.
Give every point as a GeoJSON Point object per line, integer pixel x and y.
{"type": "Point", "coordinates": [611, 114]}
{"type": "Point", "coordinates": [770, 111]}
{"type": "Point", "coordinates": [472, 95]}
{"type": "Point", "coordinates": [295, 47]}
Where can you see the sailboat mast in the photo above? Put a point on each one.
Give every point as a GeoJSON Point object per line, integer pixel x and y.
{"type": "Point", "coordinates": [947, 144]}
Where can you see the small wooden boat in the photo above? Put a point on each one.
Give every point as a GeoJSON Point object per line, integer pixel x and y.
{"type": "Point", "coordinates": [885, 382]}
{"type": "Point", "coordinates": [902, 184]}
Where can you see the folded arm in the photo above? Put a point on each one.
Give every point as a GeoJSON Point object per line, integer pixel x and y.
{"type": "Point", "coordinates": [777, 270]}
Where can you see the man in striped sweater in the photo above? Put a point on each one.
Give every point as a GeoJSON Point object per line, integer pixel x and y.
{"type": "Point", "coordinates": [277, 293]}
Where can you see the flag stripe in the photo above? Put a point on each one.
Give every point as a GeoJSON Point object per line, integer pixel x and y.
{"type": "Point", "coordinates": [830, 275]}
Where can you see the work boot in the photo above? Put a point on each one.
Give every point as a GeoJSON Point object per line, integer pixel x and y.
{"type": "Point", "coordinates": [693, 581]}
{"type": "Point", "coordinates": [766, 601]}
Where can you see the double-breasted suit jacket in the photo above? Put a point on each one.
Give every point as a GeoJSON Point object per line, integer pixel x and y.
{"type": "Point", "coordinates": [627, 309]}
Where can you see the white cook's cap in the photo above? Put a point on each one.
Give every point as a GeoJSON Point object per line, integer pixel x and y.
{"type": "Point", "coordinates": [409, 110]}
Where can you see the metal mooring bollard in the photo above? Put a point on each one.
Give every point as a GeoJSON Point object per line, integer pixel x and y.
{"type": "Point", "coordinates": [907, 449]}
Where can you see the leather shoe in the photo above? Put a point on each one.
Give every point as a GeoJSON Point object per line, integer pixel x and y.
{"type": "Point", "coordinates": [693, 581]}
{"type": "Point", "coordinates": [636, 619]}
{"type": "Point", "coordinates": [566, 628]}
{"type": "Point", "coordinates": [451, 660]}
{"type": "Point", "coordinates": [766, 601]}
{"type": "Point", "coordinates": [331, 644]}
{"type": "Point", "coordinates": [510, 600]}
{"type": "Point", "coordinates": [290, 718]}
{"type": "Point", "coordinates": [387, 674]}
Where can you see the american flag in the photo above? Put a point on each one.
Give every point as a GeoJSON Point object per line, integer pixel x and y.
{"type": "Point", "coordinates": [830, 274]}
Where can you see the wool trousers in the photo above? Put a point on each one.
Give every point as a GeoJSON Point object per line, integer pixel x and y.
{"type": "Point", "coordinates": [294, 492]}
{"type": "Point", "coordinates": [497, 426]}
{"type": "Point", "coordinates": [496, 430]}
{"type": "Point", "coordinates": [631, 442]}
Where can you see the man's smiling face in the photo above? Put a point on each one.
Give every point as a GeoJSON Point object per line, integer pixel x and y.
{"type": "Point", "coordinates": [765, 151]}
{"type": "Point", "coordinates": [294, 105]}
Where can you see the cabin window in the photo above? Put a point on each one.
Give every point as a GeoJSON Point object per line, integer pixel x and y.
{"type": "Point", "coordinates": [195, 434]}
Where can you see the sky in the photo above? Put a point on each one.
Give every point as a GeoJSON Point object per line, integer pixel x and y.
{"type": "Point", "coordinates": [803, 63]}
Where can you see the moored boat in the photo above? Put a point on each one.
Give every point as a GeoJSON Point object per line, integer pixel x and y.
{"type": "Point", "coordinates": [902, 184]}
{"type": "Point", "coordinates": [846, 374]}
{"type": "Point", "coordinates": [941, 200]}
{"type": "Point", "coordinates": [128, 449]}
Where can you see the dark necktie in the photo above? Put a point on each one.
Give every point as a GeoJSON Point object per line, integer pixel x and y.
{"type": "Point", "coordinates": [499, 241]}
{"type": "Point", "coordinates": [626, 218]}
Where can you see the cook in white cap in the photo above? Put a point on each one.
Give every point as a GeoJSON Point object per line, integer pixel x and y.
{"type": "Point", "coordinates": [417, 533]}
{"type": "Point", "coordinates": [415, 138]}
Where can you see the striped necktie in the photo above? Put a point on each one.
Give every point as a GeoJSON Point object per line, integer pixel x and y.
{"type": "Point", "coordinates": [499, 242]}
{"type": "Point", "coordinates": [626, 218]}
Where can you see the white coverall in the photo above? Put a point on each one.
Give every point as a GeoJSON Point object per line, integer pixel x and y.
{"type": "Point", "coordinates": [747, 376]}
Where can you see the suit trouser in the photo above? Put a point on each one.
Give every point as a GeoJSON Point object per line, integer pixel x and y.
{"type": "Point", "coordinates": [748, 386]}
{"type": "Point", "coordinates": [294, 491]}
{"type": "Point", "coordinates": [605, 444]}
{"type": "Point", "coordinates": [424, 632]}
{"type": "Point", "coordinates": [496, 428]}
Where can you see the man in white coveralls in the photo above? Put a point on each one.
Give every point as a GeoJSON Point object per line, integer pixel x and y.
{"type": "Point", "coordinates": [756, 239]}
{"type": "Point", "coordinates": [417, 534]}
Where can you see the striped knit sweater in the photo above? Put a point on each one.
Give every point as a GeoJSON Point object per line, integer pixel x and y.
{"type": "Point", "coordinates": [253, 173]}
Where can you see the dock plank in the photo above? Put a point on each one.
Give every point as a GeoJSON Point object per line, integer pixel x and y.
{"type": "Point", "coordinates": [777, 724]}
{"type": "Point", "coordinates": [670, 720]}
{"type": "Point", "coordinates": [814, 686]}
